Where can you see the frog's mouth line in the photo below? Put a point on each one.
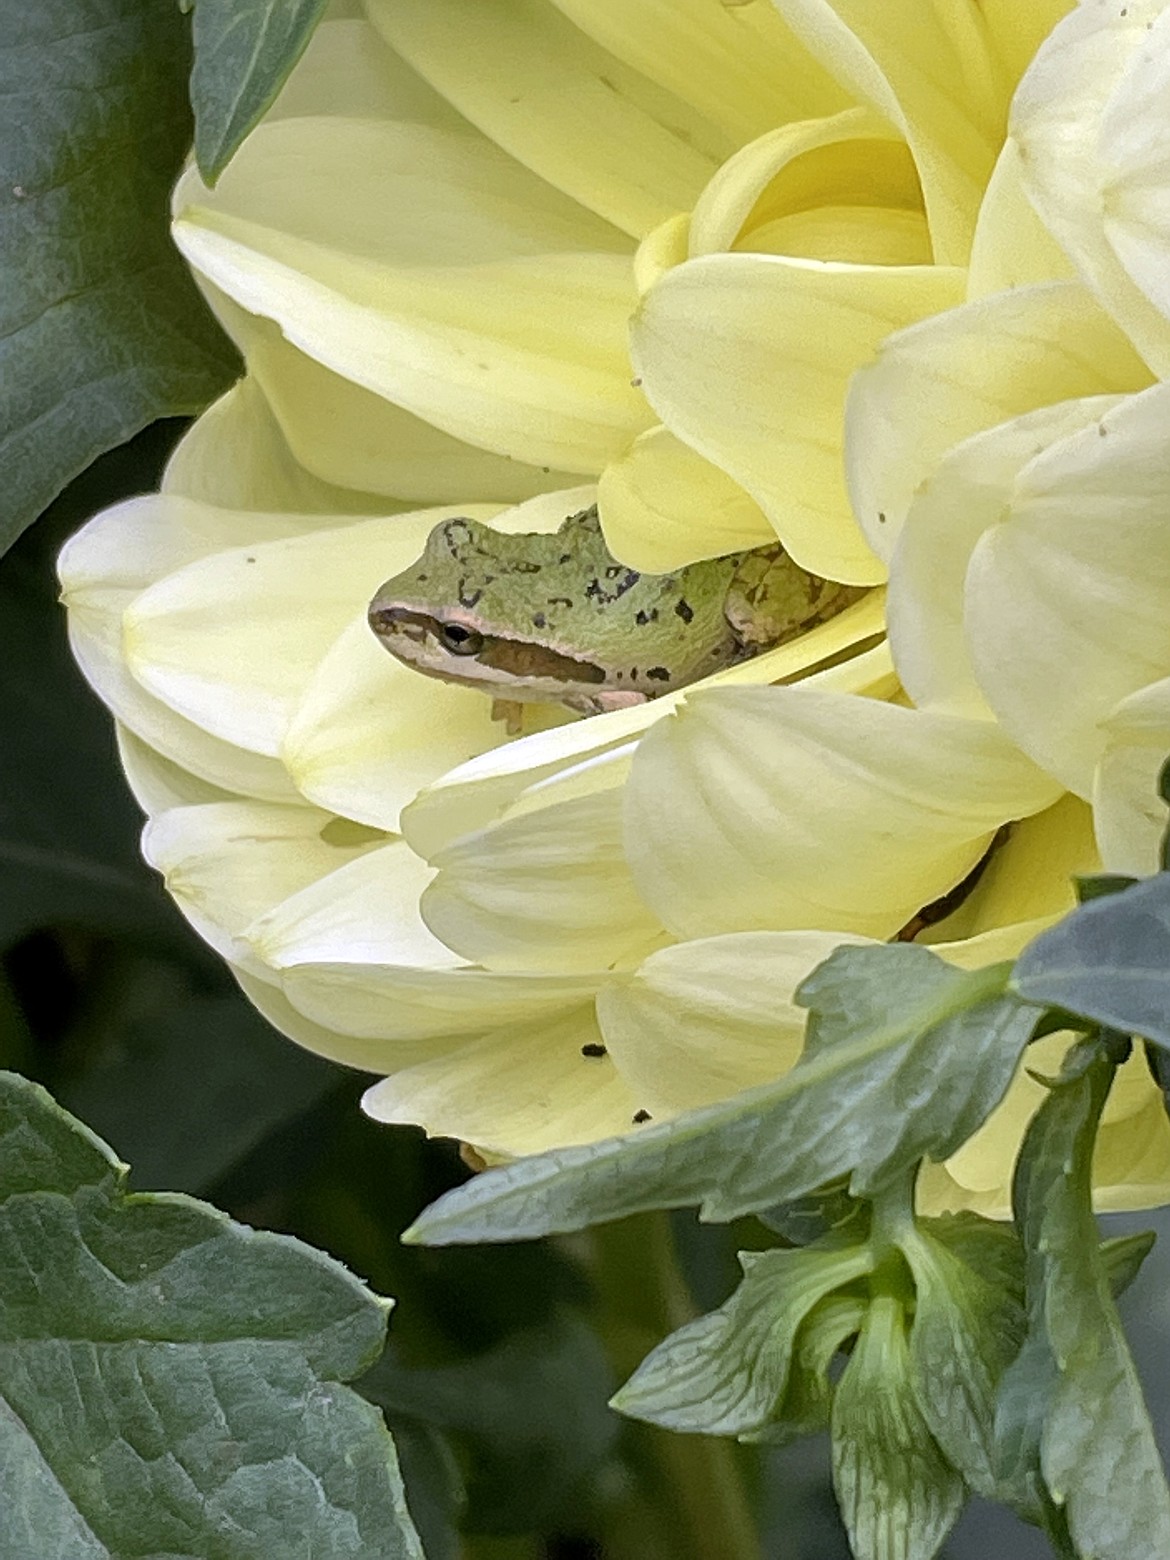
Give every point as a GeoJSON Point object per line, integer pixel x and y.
{"type": "Point", "coordinates": [519, 658]}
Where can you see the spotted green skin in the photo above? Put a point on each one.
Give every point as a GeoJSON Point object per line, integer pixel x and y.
{"type": "Point", "coordinates": [554, 617]}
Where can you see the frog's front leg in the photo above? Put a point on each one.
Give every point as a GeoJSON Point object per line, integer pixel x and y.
{"type": "Point", "coordinates": [608, 699]}
{"type": "Point", "coordinates": [511, 712]}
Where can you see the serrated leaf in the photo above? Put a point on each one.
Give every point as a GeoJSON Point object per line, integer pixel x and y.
{"type": "Point", "coordinates": [101, 327]}
{"type": "Point", "coordinates": [1108, 960]}
{"type": "Point", "coordinates": [967, 1330]}
{"type": "Point", "coordinates": [899, 1496]}
{"type": "Point", "coordinates": [1097, 1452]}
{"type": "Point", "coordinates": [910, 1068]}
{"type": "Point", "coordinates": [244, 51]}
{"type": "Point", "coordinates": [170, 1380]}
{"type": "Point", "coordinates": [725, 1373]}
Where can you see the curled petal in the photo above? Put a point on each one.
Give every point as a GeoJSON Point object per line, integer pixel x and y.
{"type": "Point", "coordinates": [1130, 818]}
{"type": "Point", "coordinates": [795, 808]}
{"type": "Point", "coordinates": [747, 359]}
{"type": "Point", "coordinates": [1071, 591]}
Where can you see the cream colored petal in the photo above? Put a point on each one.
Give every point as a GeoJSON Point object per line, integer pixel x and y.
{"type": "Point", "coordinates": [347, 434]}
{"type": "Point", "coordinates": [527, 357]}
{"type": "Point", "coordinates": [522, 1090]}
{"type": "Point", "coordinates": [794, 808]}
{"type": "Point", "coordinates": [577, 115]}
{"type": "Point", "coordinates": [1089, 75]}
{"type": "Point", "coordinates": [850, 160]}
{"type": "Point", "coordinates": [481, 790]}
{"type": "Point", "coordinates": [227, 863]}
{"type": "Point", "coordinates": [702, 1020]}
{"type": "Point", "coordinates": [1133, 136]}
{"type": "Point", "coordinates": [1130, 817]}
{"type": "Point", "coordinates": [937, 382]}
{"type": "Point", "coordinates": [739, 65]}
{"type": "Point", "coordinates": [1071, 591]}
{"type": "Point", "coordinates": [549, 890]}
{"type": "Point", "coordinates": [969, 492]}
{"type": "Point", "coordinates": [348, 72]}
{"type": "Point", "coordinates": [934, 74]}
{"type": "Point", "coordinates": [234, 456]}
{"type": "Point", "coordinates": [232, 640]}
{"type": "Point", "coordinates": [1027, 877]}
{"type": "Point", "coordinates": [157, 783]}
{"type": "Point", "coordinates": [367, 733]}
{"type": "Point", "coordinates": [1017, 31]}
{"type": "Point", "coordinates": [1012, 247]}
{"type": "Point", "coordinates": [747, 359]}
{"type": "Point", "coordinates": [1131, 1162]}
{"type": "Point", "coordinates": [662, 506]}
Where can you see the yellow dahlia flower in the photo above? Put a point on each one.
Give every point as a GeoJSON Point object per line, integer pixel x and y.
{"type": "Point", "coordinates": [499, 260]}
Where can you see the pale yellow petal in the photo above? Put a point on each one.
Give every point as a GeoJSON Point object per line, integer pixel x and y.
{"type": "Point", "coordinates": [747, 358]}
{"type": "Point", "coordinates": [233, 640]}
{"type": "Point", "coordinates": [599, 748]}
{"type": "Point", "coordinates": [548, 890]}
{"type": "Point", "coordinates": [1028, 876]}
{"type": "Point", "coordinates": [1016, 31]}
{"type": "Point", "coordinates": [226, 863]}
{"type": "Point", "coordinates": [518, 1091]}
{"type": "Point", "coordinates": [969, 492]}
{"type": "Point", "coordinates": [348, 72]}
{"type": "Point", "coordinates": [794, 808]}
{"type": "Point", "coordinates": [1012, 247]}
{"type": "Point", "coordinates": [159, 784]}
{"type": "Point", "coordinates": [1131, 818]}
{"type": "Point", "coordinates": [347, 434]}
{"type": "Point", "coordinates": [574, 113]}
{"type": "Point", "coordinates": [1071, 591]}
{"type": "Point", "coordinates": [662, 506]}
{"type": "Point", "coordinates": [739, 65]}
{"type": "Point", "coordinates": [848, 178]}
{"type": "Point", "coordinates": [933, 72]}
{"type": "Point", "coordinates": [707, 1018]}
{"type": "Point", "coordinates": [1076, 85]}
{"type": "Point", "coordinates": [351, 1050]}
{"type": "Point", "coordinates": [235, 456]}
{"type": "Point", "coordinates": [942, 380]}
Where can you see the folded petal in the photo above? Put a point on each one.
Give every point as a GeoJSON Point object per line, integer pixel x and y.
{"type": "Point", "coordinates": [546, 890]}
{"type": "Point", "coordinates": [1131, 818]}
{"type": "Point", "coordinates": [286, 602]}
{"type": "Point", "coordinates": [563, 106]}
{"type": "Point", "coordinates": [969, 492]}
{"type": "Point", "coordinates": [521, 1090]}
{"type": "Point", "coordinates": [226, 863]}
{"type": "Point", "coordinates": [795, 808]}
{"type": "Point", "coordinates": [851, 167]}
{"type": "Point", "coordinates": [939, 381]}
{"type": "Point", "coordinates": [594, 753]}
{"type": "Point", "coordinates": [1012, 247]}
{"type": "Point", "coordinates": [933, 72]}
{"type": "Point", "coordinates": [707, 1018]}
{"type": "Point", "coordinates": [498, 313]}
{"type": "Point", "coordinates": [662, 506]}
{"type": "Point", "coordinates": [1088, 120]}
{"type": "Point", "coordinates": [747, 359]}
{"type": "Point", "coordinates": [1071, 590]}
{"type": "Point", "coordinates": [157, 783]}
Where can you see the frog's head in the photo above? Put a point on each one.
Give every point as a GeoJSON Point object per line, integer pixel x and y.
{"type": "Point", "coordinates": [496, 612]}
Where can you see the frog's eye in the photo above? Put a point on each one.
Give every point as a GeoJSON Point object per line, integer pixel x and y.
{"type": "Point", "coordinates": [460, 640]}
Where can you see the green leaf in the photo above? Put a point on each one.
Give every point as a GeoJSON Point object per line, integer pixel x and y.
{"type": "Point", "coordinates": [529, 1415]}
{"type": "Point", "coordinates": [244, 51]}
{"type": "Point", "coordinates": [906, 1056]}
{"type": "Point", "coordinates": [807, 1403]}
{"type": "Point", "coordinates": [1108, 960]}
{"type": "Point", "coordinates": [726, 1372]}
{"type": "Point", "coordinates": [171, 1380]}
{"type": "Point", "coordinates": [1097, 1452]}
{"type": "Point", "coordinates": [101, 328]}
{"type": "Point", "coordinates": [968, 1327]}
{"type": "Point", "coordinates": [898, 1494]}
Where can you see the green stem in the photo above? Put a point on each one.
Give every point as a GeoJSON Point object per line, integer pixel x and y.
{"type": "Point", "coordinates": [690, 1501]}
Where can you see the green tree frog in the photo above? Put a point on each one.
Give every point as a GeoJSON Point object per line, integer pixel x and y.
{"type": "Point", "coordinates": [554, 617]}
